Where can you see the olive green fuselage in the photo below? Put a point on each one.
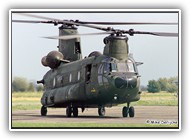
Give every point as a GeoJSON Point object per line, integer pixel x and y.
{"type": "Point", "coordinates": [91, 82]}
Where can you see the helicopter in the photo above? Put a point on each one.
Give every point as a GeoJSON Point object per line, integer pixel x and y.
{"type": "Point", "coordinates": [97, 81]}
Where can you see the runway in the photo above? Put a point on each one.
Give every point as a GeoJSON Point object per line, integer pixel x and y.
{"type": "Point", "coordinates": [143, 115]}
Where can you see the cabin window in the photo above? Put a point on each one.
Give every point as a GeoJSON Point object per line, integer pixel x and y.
{"type": "Point", "coordinates": [78, 75]}
{"type": "Point", "coordinates": [88, 72]}
{"type": "Point", "coordinates": [70, 77]}
{"type": "Point", "coordinates": [54, 80]}
{"type": "Point", "coordinates": [60, 79]}
{"type": "Point", "coordinates": [77, 48]}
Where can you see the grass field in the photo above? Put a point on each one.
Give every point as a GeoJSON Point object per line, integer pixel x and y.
{"type": "Point", "coordinates": [157, 99]}
{"type": "Point", "coordinates": [87, 125]}
{"type": "Point", "coordinates": [26, 100]}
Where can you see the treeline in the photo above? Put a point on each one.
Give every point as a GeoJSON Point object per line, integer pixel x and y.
{"type": "Point", "coordinates": [21, 84]}
{"type": "Point", "coordinates": [163, 84]}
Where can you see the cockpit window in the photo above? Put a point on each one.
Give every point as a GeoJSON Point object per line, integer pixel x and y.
{"type": "Point", "coordinates": [100, 69]}
{"type": "Point", "coordinates": [119, 67]}
{"type": "Point", "coordinates": [130, 66]}
{"type": "Point", "coordinates": [107, 67]}
{"type": "Point", "coordinates": [113, 67]}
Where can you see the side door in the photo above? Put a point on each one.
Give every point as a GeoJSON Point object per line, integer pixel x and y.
{"type": "Point", "coordinates": [90, 81]}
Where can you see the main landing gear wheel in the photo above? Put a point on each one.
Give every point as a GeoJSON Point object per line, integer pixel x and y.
{"type": "Point", "coordinates": [43, 111]}
{"type": "Point", "coordinates": [128, 110]}
{"type": "Point", "coordinates": [101, 111]}
{"type": "Point", "coordinates": [71, 110]}
{"type": "Point", "coordinates": [68, 111]}
{"type": "Point", "coordinates": [75, 111]}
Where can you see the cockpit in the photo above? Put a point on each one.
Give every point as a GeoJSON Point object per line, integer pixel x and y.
{"type": "Point", "coordinates": [119, 67]}
{"type": "Point", "coordinates": [113, 66]}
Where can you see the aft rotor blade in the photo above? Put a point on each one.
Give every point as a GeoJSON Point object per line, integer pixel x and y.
{"type": "Point", "coordinates": [67, 37]}
{"type": "Point", "coordinates": [32, 21]}
{"type": "Point", "coordinates": [26, 21]}
{"type": "Point", "coordinates": [128, 23]}
{"type": "Point", "coordinates": [39, 17]}
{"type": "Point", "coordinates": [58, 21]}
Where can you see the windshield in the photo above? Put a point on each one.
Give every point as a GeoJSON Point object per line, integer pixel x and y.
{"type": "Point", "coordinates": [119, 67]}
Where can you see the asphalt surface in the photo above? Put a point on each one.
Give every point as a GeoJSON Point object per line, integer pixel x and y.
{"type": "Point", "coordinates": [143, 115]}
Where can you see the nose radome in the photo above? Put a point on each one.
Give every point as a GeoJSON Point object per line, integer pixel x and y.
{"type": "Point", "coordinates": [128, 83]}
{"type": "Point", "coordinates": [120, 83]}
{"type": "Point", "coordinates": [132, 82]}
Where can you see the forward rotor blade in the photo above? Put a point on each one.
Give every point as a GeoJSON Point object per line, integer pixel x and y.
{"type": "Point", "coordinates": [88, 24]}
{"type": "Point", "coordinates": [131, 32]}
{"type": "Point", "coordinates": [67, 37]}
{"type": "Point", "coordinates": [165, 34]}
{"type": "Point", "coordinates": [159, 34]}
{"type": "Point", "coordinates": [128, 23]}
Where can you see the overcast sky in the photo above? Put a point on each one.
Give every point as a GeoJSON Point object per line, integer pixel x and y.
{"type": "Point", "coordinates": [159, 54]}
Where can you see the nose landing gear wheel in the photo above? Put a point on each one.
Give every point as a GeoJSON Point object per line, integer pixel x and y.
{"type": "Point", "coordinates": [125, 111]}
{"type": "Point", "coordinates": [128, 110]}
{"type": "Point", "coordinates": [131, 112]}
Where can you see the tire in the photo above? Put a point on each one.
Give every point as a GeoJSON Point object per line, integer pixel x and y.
{"type": "Point", "coordinates": [125, 111]}
{"type": "Point", "coordinates": [68, 111]}
{"type": "Point", "coordinates": [43, 111]}
{"type": "Point", "coordinates": [75, 111]}
{"type": "Point", "coordinates": [101, 111]}
{"type": "Point", "coordinates": [131, 112]}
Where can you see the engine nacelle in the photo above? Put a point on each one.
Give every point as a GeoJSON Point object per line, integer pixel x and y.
{"type": "Point", "coordinates": [44, 62]}
{"type": "Point", "coordinates": [53, 59]}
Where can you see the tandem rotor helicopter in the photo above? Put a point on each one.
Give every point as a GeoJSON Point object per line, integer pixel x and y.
{"type": "Point", "coordinates": [97, 81]}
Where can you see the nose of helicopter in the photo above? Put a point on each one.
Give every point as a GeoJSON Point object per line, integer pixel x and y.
{"type": "Point", "coordinates": [125, 83]}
